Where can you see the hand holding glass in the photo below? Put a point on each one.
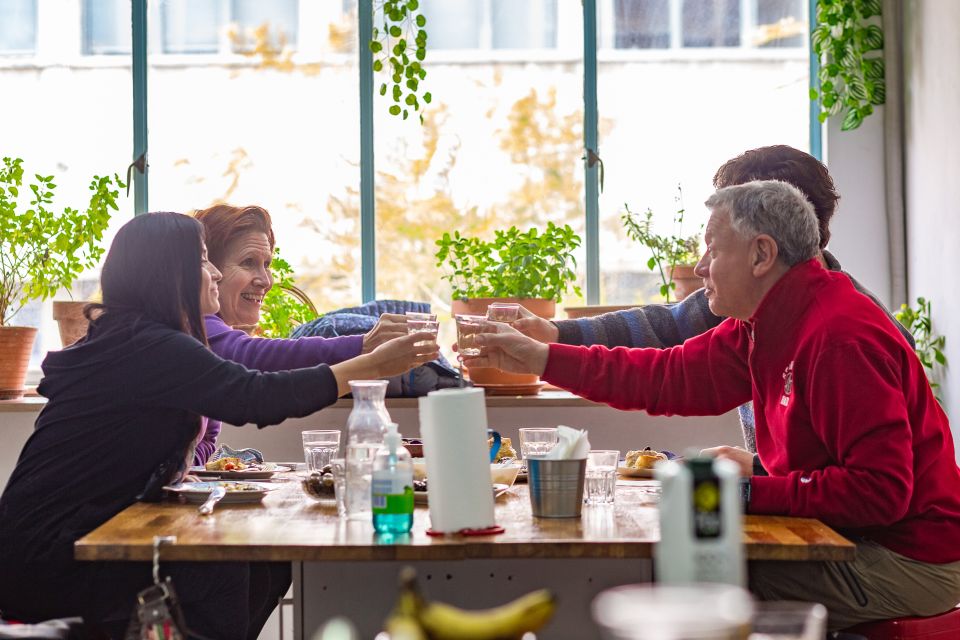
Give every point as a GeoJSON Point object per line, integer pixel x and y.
{"type": "Point", "coordinates": [503, 312]}
{"type": "Point", "coordinates": [467, 329]}
{"type": "Point", "coordinates": [423, 326]}
{"type": "Point", "coordinates": [601, 480]}
{"type": "Point", "coordinates": [319, 447]}
{"type": "Point", "coordinates": [416, 315]}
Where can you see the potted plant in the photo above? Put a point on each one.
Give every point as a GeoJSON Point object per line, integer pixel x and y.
{"type": "Point", "coordinates": [534, 268]}
{"type": "Point", "coordinates": [929, 345]}
{"type": "Point", "coordinates": [673, 256]}
{"type": "Point", "coordinates": [42, 252]}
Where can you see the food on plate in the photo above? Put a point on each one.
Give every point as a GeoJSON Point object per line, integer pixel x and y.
{"type": "Point", "coordinates": [241, 486]}
{"type": "Point", "coordinates": [506, 449]}
{"type": "Point", "coordinates": [225, 464]}
{"type": "Point", "coordinates": [644, 459]}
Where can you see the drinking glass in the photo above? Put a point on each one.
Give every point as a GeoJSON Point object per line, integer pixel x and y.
{"type": "Point", "coordinates": [601, 480]}
{"type": "Point", "coordinates": [320, 447]}
{"type": "Point", "coordinates": [339, 468]}
{"type": "Point", "coordinates": [503, 312]}
{"type": "Point", "coordinates": [537, 441]}
{"type": "Point", "coordinates": [417, 315]}
{"type": "Point", "coordinates": [467, 329]}
{"type": "Point", "coordinates": [420, 326]}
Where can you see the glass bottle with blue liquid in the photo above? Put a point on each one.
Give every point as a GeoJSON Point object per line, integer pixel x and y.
{"type": "Point", "coordinates": [391, 492]}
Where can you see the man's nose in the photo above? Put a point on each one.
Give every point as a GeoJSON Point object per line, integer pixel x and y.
{"type": "Point", "coordinates": [703, 266]}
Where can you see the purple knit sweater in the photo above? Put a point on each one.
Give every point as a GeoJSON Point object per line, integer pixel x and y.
{"type": "Point", "coordinates": [265, 354]}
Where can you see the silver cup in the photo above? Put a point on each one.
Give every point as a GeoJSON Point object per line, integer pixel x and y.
{"type": "Point", "coordinates": [556, 487]}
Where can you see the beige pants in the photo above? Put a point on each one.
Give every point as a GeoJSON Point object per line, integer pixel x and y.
{"type": "Point", "coordinates": [878, 585]}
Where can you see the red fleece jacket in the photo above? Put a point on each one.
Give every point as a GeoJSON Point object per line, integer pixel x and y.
{"type": "Point", "coordinates": [847, 425]}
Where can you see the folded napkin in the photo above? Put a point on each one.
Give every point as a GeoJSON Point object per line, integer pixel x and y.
{"type": "Point", "coordinates": [249, 456]}
{"type": "Point", "coordinates": [572, 444]}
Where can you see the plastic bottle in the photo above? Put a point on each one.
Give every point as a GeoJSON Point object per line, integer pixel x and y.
{"type": "Point", "coordinates": [366, 425]}
{"type": "Point", "coordinates": [701, 523]}
{"type": "Point", "coordinates": [391, 492]}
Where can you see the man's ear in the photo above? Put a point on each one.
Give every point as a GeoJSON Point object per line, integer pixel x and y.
{"type": "Point", "coordinates": [763, 255]}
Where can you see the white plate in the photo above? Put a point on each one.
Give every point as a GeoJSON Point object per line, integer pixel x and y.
{"type": "Point", "coordinates": [630, 472]}
{"type": "Point", "coordinates": [421, 497]}
{"type": "Point", "coordinates": [261, 472]}
{"type": "Point", "coordinates": [237, 492]}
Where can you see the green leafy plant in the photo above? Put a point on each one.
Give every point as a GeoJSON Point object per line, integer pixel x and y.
{"type": "Point", "coordinates": [515, 264]}
{"type": "Point", "coordinates": [667, 252]}
{"type": "Point", "coordinates": [284, 307]}
{"type": "Point", "coordinates": [42, 251]}
{"type": "Point", "coordinates": [929, 346]}
{"type": "Point", "coordinates": [849, 45]}
{"type": "Point", "coordinates": [399, 47]}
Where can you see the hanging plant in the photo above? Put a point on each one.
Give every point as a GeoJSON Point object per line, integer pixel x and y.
{"type": "Point", "coordinates": [849, 45]}
{"type": "Point", "coordinates": [399, 48]}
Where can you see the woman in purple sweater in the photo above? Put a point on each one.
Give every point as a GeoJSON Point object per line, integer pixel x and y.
{"type": "Point", "coordinates": [240, 243]}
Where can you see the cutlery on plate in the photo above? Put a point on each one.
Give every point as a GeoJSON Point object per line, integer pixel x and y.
{"type": "Point", "coordinates": [215, 496]}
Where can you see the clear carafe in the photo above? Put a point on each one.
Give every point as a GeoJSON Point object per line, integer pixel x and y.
{"type": "Point", "coordinates": [366, 427]}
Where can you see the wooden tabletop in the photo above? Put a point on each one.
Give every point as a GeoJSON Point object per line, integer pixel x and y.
{"type": "Point", "coordinates": [289, 526]}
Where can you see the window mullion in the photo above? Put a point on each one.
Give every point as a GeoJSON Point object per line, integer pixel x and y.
{"type": "Point", "coordinates": [139, 55]}
{"type": "Point", "coordinates": [368, 258]}
{"type": "Point", "coordinates": [591, 145]}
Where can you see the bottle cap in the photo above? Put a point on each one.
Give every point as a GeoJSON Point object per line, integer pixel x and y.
{"type": "Point", "coordinates": [392, 439]}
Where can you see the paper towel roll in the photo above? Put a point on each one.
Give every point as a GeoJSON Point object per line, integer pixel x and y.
{"type": "Point", "coordinates": [453, 425]}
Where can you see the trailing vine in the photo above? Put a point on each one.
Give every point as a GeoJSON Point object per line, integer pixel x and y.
{"type": "Point", "coordinates": [849, 45]}
{"type": "Point", "coordinates": [400, 47]}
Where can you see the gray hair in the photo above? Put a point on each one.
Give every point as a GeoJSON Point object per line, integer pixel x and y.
{"type": "Point", "coordinates": [777, 209]}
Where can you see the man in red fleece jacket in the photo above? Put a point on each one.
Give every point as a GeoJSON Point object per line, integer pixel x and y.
{"type": "Point", "coordinates": [847, 425]}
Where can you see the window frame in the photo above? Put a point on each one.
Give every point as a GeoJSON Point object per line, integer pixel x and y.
{"type": "Point", "coordinates": [367, 159]}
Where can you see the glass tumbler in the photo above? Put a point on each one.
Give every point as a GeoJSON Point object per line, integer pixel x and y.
{"type": "Point", "coordinates": [537, 441]}
{"type": "Point", "coordinates": [320, 447]}
{"type": "Point", "coordinates": [503, 312]}
{"type": "Point", "coordinates": [601, 480]}
{"type": "Point", "coordinates": [467, 329]}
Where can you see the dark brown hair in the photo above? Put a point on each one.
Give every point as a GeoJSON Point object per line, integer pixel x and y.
{"type": "Point", "coordinates": [223, 223]}
{"type": "Point", "coordinates": [152, 271]}
{"type": "Point", "coordinates": [780, 162]}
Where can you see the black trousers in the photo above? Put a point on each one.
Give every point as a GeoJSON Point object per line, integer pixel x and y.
{"type": "Point", "coordinates": [220, 600]}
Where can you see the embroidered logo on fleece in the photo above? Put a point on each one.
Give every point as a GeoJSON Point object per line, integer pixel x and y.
{"type": "Point", "coordinates": [787, 384]}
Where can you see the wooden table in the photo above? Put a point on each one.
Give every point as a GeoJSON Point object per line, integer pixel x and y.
{"type": "Point", "coordinates": [288, 526]}
{"type": "Point", "coordinates": [342, 568]}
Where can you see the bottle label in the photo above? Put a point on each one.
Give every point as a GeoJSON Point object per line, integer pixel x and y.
{"type": "Point", "coordinates": [391, 494]}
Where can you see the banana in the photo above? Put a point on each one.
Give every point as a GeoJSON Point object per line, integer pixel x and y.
{"type": "Point", "coordinates": [506, 622]}
{"type": "Point", "coordinates": [402, 623]}
{"type": "Point", "coordinates": [401, 627]}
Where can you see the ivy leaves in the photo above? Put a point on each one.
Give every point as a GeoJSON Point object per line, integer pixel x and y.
{"type": "Point", "coordinates": [929, 346]}
{"type": "Point", "coordinates": [515, 264]}
{"type": "Point", "coordinates": [42, 251]}
{"type": "Point", "coordinates": [851, 60]}
{"type": "Point", "coordinates": [399, 47]}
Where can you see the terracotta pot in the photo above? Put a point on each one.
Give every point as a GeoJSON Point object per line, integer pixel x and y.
{"type": "Point", "coordinates": [16, 343]}
{"type": "Point", "coordinates": [70, 318]}
{"type": "Point", "coordinates": [686, 282]}
{"type": "Point", "coordinates": [495, 378]}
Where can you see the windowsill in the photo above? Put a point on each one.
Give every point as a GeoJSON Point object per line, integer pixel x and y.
{"type": "Point", "coordinates": [545, 399]}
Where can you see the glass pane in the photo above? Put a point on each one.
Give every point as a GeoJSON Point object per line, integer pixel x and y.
{"type": "Point", "coordinates": [453, 25]}
{"type": "Point", "coordinates": [641, 24]}
{"type": "Point", "coordinates": [280, 132]}
{"type": "Point", "coordinates": [673, 121]}
{"type": "Point", "coordinates": [711, 23]}
{"type": "Point", "coordinates": [780, 23]}
{"type": "Point", "coordinates": [72, 122]}
{"type": "Point", "coordinates": [276, 18]}
{"type": "Point", "coordinates": [524, 25]}
{"type": "Point", "coordinates": [494, 150]}
{"type": "Point", "coordinates": [106, 27]}
{"type": "Point", "coordinates": [190, 26]}
{"type": "Point", "coordinates": [18, 28]}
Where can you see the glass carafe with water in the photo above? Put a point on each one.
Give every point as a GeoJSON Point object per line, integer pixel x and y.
{"type": "Point", "coordinates": [366, 426]}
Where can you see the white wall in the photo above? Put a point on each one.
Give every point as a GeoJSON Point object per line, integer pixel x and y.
{"type": "Point", "coordinates": [932, 128]}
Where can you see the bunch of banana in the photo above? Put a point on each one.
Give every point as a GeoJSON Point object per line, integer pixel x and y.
{"type": "Point", "coordinates": [413, 618]}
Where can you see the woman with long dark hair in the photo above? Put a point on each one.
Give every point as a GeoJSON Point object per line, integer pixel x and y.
{"type": "Point", "coordinates": [122, 417]}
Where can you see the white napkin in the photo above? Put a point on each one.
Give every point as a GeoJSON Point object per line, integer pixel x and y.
{"type": "Point", "coordinates": [572, 444]}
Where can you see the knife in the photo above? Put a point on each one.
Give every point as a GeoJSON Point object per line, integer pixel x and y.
{"type": "Point", "coordinates": [215, 496]}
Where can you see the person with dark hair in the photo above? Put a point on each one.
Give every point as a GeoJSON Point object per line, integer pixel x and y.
{"type": "Point", "coordinates": [124, 407]}
{"type": "Point", "coordinates": [667, 325]}
{"type": "Point", "coordinates": [240, 243]}
{"type": "Point", "coordinates": [847, 424]}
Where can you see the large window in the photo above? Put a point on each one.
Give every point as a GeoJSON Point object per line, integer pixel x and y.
{"type": "Point", "coordinates": [492, 24]}
{"type": "Point", "coordinates": [18, 27]}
